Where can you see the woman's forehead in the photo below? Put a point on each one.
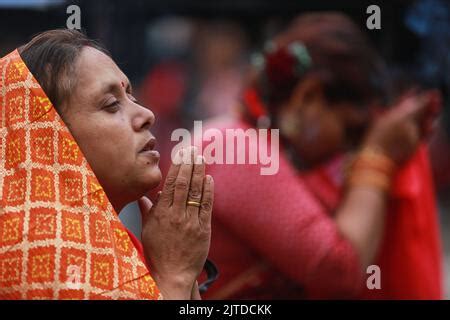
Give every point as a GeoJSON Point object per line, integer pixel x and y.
{"type": "Point", "coordinates": [98, 72]}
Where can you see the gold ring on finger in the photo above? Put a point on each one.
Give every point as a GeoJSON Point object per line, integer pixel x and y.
{"type": "Point", "coordinates": [193, 203]}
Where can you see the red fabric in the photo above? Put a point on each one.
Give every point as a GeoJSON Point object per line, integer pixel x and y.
{"type": "Point", "coordinates": [137, 243]}
{"type": "Point", "coordinates": [410, 257]}
{"type": "Point", "coordinates": [254, 104]}
{"type": "Point", "coordinates": [273, 236]}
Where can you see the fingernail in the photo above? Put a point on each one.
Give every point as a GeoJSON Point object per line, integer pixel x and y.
{"type": "Point", "coordinates": [178, 157]}
{"type": "Point", "coordinates": [199, 159]}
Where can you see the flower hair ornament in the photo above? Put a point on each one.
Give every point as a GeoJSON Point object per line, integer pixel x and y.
{"type": "Point", "coordinates": [281, 68]}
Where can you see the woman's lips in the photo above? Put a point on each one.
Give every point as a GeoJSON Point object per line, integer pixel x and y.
{"type": "Point", "coordinates": [150, 145]}
{"type": "Point", "coordinates": [150, 153]}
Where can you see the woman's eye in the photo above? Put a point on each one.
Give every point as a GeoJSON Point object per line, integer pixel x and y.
{"type": "Point", "coordinates": [113, 107]}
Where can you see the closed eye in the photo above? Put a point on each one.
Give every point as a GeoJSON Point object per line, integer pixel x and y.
{"type": "Point", "coordinates": [112, 107]}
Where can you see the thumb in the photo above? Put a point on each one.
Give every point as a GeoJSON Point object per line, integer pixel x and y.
{"type": "Point", "coordinates": [145, 205]}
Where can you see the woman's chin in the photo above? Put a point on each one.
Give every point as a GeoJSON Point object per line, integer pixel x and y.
{"type": "Point", "coordinates": [152, 178]}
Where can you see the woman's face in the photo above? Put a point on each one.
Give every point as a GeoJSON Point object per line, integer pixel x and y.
{"type": "Point", "coordinates": [112, 129]}
{"type": "Point", "coordinates": [318, 130]}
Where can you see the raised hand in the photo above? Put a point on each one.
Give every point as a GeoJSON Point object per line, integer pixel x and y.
{"type": "Point", "coordinates": [398, 132]}
{"type": "Point", "coordinates": [176, 231]}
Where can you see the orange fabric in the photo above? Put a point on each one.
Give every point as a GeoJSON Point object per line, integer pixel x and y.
{"type": "Point", "coordinates": [60, 237]}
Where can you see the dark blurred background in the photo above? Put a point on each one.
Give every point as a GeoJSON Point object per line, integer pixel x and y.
{"type": "Point", "coordinates": [189, 59]}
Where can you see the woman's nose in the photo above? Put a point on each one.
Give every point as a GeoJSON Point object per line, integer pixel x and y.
{"type": "Point", "coordinates": [145, 119]}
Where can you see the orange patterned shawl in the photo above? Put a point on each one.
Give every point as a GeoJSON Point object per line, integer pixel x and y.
{"type": "Point", "coordinates": [60, 237]}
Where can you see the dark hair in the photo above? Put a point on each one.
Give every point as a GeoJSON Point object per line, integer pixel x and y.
{"type": "Point", "coordinates": [51, 58]}
{"type": "Point", "coordinates": [340, 56]}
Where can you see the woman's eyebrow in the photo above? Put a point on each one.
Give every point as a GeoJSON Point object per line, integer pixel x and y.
{"type": "Point", "coordinates": [115, 87]}
{"type": "Point", "coordinates": [110, 87]}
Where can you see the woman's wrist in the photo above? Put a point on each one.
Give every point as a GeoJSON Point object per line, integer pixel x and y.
{"type": "Point", "coordinates": [174, 287]}
{"type": "Point", "coordinates": [371, 168]}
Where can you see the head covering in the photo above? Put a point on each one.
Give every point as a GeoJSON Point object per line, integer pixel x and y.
{"type": "Point", "coordinates": [60, 237]}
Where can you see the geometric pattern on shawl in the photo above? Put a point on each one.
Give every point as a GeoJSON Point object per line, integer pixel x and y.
{"type": "Point", "coordinates": [60, 237]}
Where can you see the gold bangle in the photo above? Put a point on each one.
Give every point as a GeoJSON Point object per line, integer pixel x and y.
{"type": "Point", "coordinates": [373, 156]}
{"type": "Point", "coordinates": [370, 178]}
{"type": "Point", "coordinates": [371, 159]}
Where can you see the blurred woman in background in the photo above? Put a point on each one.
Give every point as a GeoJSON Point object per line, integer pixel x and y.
{"type": "Point", "coordinates": [346, 195]}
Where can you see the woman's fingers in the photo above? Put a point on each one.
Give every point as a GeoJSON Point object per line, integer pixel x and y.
{"type": "Point", "coordinates": [207, 202]}
{"type": "Point", "coordinates": [196, 188]}
{"type": "Point", "coordinates": [169, 185]}
{"type": "Point", "coordinates": [183, 181]}
{"type": "Point", "coordinates": [183, 188]}
{"type": "Point", "coordinates": [433, 109]}
{"type": "Point", "coordinates": [419, 107]}
{"type": "Point", "coordinates": [424, 109]}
